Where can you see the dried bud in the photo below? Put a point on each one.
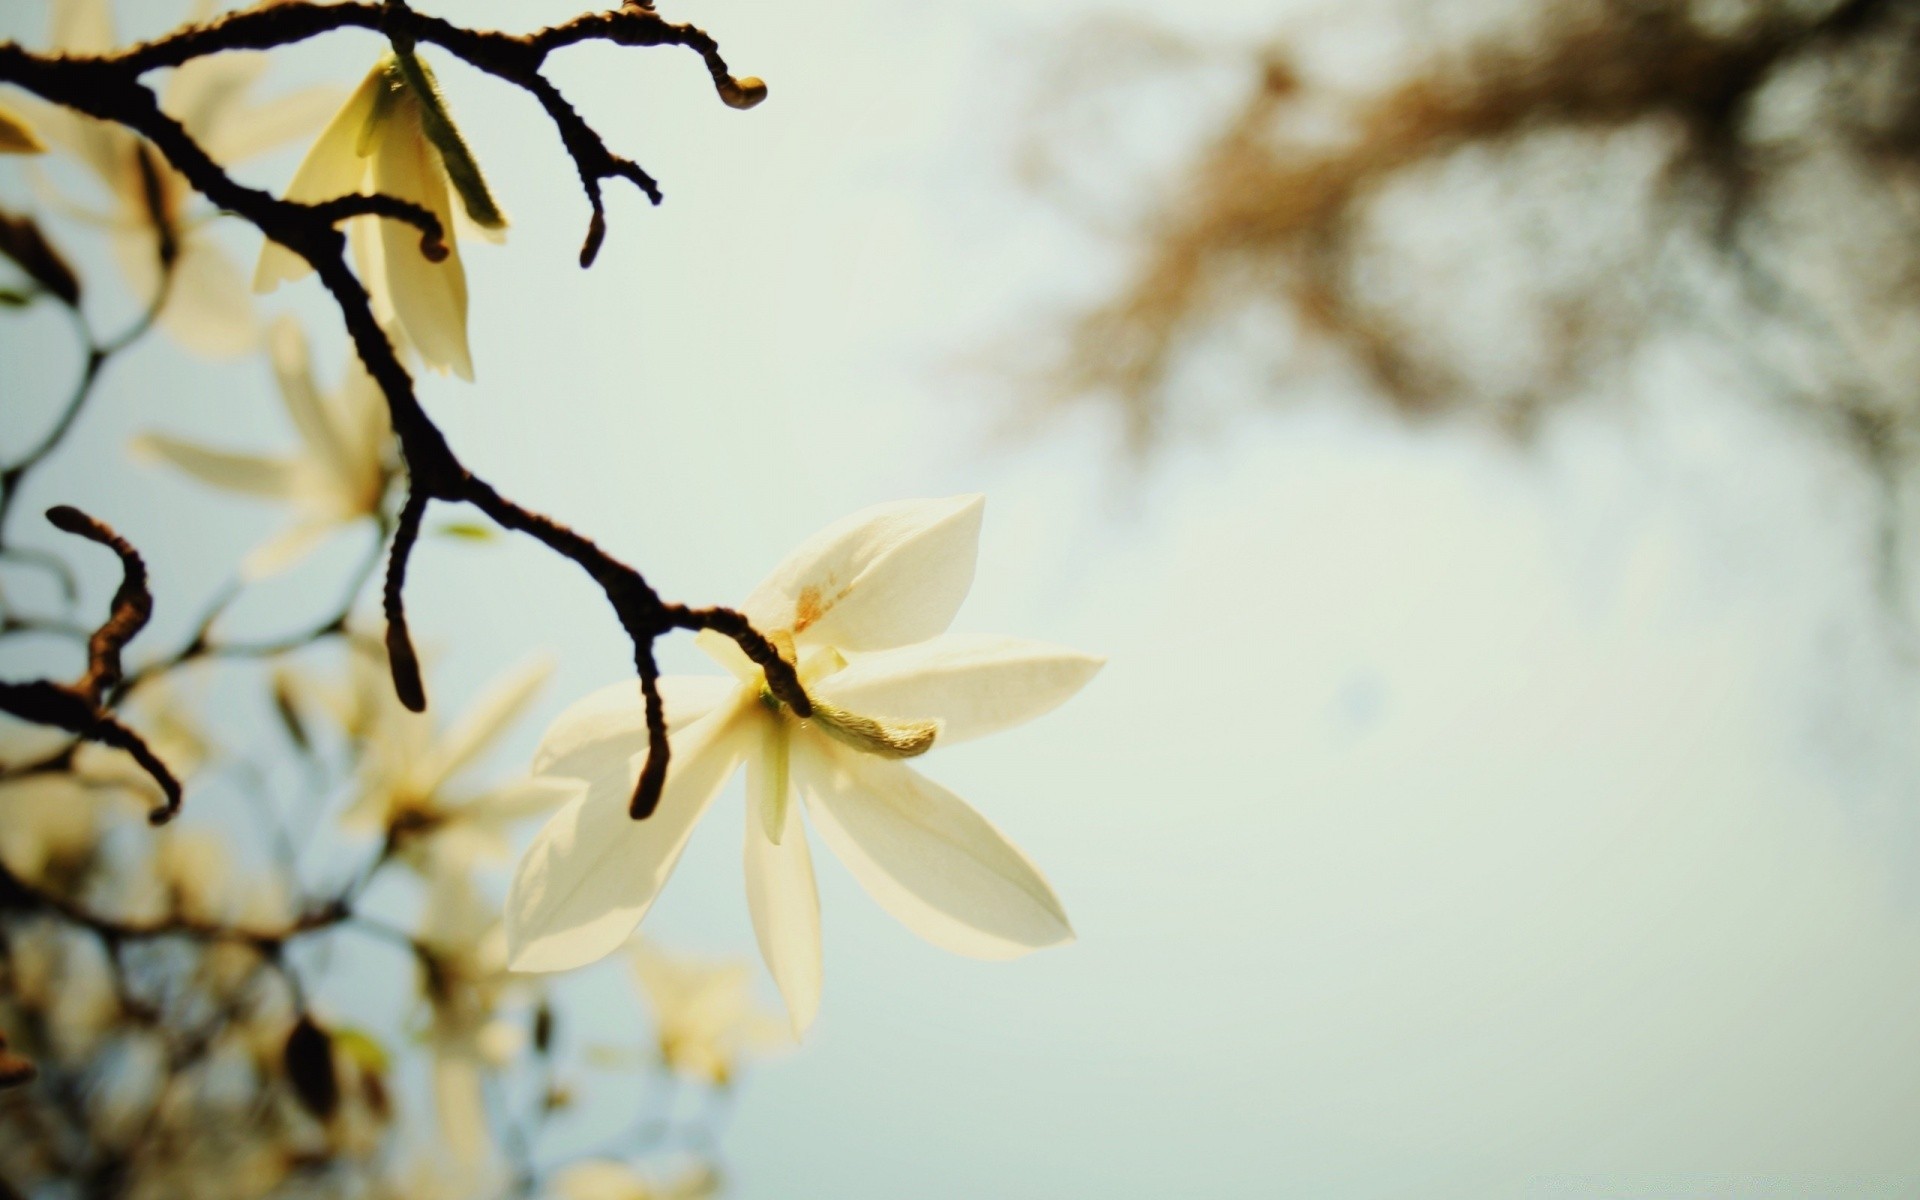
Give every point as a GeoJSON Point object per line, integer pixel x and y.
{"type": "Point", "coordinates": [543, 1028]}
{"type": "Point", "coordinates": [743, 93]}
{"type": "Point", "coordinates": [309, 1063]}
{"type": "Point", "coordinates": [23, 243]}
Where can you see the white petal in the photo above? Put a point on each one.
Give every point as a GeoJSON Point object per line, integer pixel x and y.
{"type": "Point", "coordinates": [209, 310]}
{"type": "Point", "coordinates": [459, 1103]}
{"type": "Point", "coordinates": [204, 93]}
{"type": "Point", "coordinates": [593, 871]}
{"type": "Point", "coordinates": [926, 856]}
{"type": "Point", "coordinates": [599, 734]}
{"type": "Point", "coordinates": [886, 576]}
{"type": "Point", "coordinates": [429, 298]}
{"type": "Point", "coordinates": [973, 684]}
{"type": "Point", "coordinates": [332, 168]}
{"type": "Point", "coordinates": [254, 474]}
{"type": "Point", "coordinates": [83, 26]}
{"type": "Point", "coordinates": [476, 729]}
{"type": "Point", "coordinates": [284, 549]}
{"type": "Point", "coordinates": [293, 371]}
{"type": "Point", "coordinates": [258, 127]}
{"type": "Point", "coordinates": [782, 897]}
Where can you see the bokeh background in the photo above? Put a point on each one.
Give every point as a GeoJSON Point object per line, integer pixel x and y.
{"type": "Point", "coordinates": [1461, 813]}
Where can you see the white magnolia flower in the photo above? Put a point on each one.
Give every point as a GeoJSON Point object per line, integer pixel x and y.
{"type": "Point", "coordinates": [207, 306]}
{"type": "Point", "coordinates": [393, 137]}
{"type": "Point", "coordinates": [340, 475]}
{"type": "Point", "coordinates": [410, 772]}
{"type": "Point", "coordinates": [705, 1020]}
{"type": "Point", "coordinates": [860, 609]}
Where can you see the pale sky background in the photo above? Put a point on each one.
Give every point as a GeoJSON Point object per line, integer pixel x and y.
{"type": "Point", "coordinates": [1453, 818]}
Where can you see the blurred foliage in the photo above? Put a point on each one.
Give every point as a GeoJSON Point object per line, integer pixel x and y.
{"type": "Point", "coordinates": [1517, 207]}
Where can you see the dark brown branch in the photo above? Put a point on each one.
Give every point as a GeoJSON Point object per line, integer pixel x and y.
{"type": "Point", "coordinates": [132, 601]}
{"type": "Point", "coordinates": [78, 707]}
{"type": "Point", "coordinates": [109, 87]}
{"type": "Point", "coordinates": [516, 59]}
{"type": "Point", "coordinates": [400, 653]}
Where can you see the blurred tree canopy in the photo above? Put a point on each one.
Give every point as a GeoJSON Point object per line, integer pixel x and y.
{"type": "Point", "coordinates": [1527, 203]}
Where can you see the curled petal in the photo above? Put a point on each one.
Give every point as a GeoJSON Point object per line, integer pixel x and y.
{"type": "Point", "coordinates": [926, 856]}
{"type": "Point", "coordinates": [972, 684]}
{"type": "Point", "coordinates": [599, 735]}
{"type": "Point", "coordinates": [593, 871]}
{"type": "Point", "coordinates": [887, 576]}
{"type": "Point", "coordinates": [781, 895]}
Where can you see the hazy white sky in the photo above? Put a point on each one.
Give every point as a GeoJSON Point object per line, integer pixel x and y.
{"type": "Point", "coordinates": [1452, 819]}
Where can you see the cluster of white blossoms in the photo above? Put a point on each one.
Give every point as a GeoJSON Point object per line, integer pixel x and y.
{"type": "Point", "coordinates": [861, 610]}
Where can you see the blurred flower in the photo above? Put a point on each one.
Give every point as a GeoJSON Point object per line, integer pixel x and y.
{"type": "Point", "coordinates": [16, 136]}
{"type": "Point", "coordinates": [207, 307]}
{"type": "Point", "coordinates": [859, 609]}
{"type": "Point", "coordinates": [408, 769]}
{"type": "Point", "coordinates": [460, 932]}
{"type": "Point", "coordinates": [704, 1015]}
{"type": "Point", "coordinates": [341, 473]}
{"type": "Point", "coordinates": [606, 1179]}
{"type": "Point", "coordinates": [394, 137]}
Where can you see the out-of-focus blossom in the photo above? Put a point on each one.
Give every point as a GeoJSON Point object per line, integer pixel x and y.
{"type": "Point", "coordinates": [705, 1019]}
{"type": "Point", "coordinates": [461, 931]}
{"type": "Point", "coordinates": [16, 136]}
{"type": "Point", "coordinates": [408, 785]}
{"type": "Point", "coordinates": [394, 137]}
{"type": "Point", "coordinates": [860, 610]}
{"type": "Point", "coordinates": [607, 1179]}
{"type": "Point", "coordinates": [147, 215]}
{"type": "Point", "coordinates": [339, 476]}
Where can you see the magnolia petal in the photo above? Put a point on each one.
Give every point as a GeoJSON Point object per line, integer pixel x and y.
{"type": "Point", "coordinates": [728, 654]}
{"type": "Point", "coordinates": [16, 136]}
{"type": "Point", "coordinates": [593, 871]}
{"type": "Point", "coordinates": [887, 576]}
{"type": "Point", "coordinates": [208, 309]}
{"type": "Point", "coordinates": [926, 856]}
{"type": "Point", "coordinates": [293, 371]}
{"type": "Point", "coordinates": [83, 26]}
{"type": "Point", "coordinates": [253, 474]}
{"type": "Point", "coordinates": [258, 127]}
{"type": "Point", "coordinates": [599, 734]}
{"type": "Point", "coordinates": [521, 799]}
{"type": "Point", "coordinates": [429, 299]}
{"type": "Point", "coordinates": [497, 708]}
{"type": "Point", "coordinates": [332, 168]}
{"type": "Point", "coordinates": [203, 93]}
{"type": "Point", "coordinates": [972, 684]}
{"type": "Point", "coordinates": [459, 1102]}
{"type": "Point", "coordinates": [600, 1179]}
{"type": "Point", "coordinates": [782, 897]}
{"type": "Point", "coordinates": [284, 549]}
